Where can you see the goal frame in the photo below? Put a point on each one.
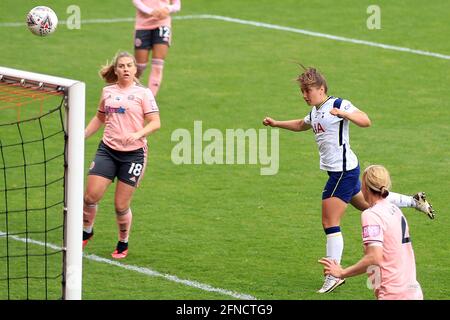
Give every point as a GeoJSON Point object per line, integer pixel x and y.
{"type": "Point", "coordinates": [75, 92]}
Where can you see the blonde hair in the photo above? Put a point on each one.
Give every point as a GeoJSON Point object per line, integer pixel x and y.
{"type": "Point", "coordinates": [377, 179]}
{"type": "Point", "coordinates": [311, 78]}
{"type": "Point", "coordinates": [107, 72]}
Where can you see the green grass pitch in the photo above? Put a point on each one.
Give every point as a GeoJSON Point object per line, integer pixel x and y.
{"type": "Point", "coordinates": [227, 226]}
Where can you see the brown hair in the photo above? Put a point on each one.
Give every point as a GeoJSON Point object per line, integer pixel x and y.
{"type": "Point", "coordinates": [377, 179]}
{"type": "Point", "coordinates": [311, 78]}
{"type": "Point", "coordinates": [107, 72]}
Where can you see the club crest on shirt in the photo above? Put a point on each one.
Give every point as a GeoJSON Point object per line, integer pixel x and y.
{"type": "Point", "coordinates": [371, 231]}
{"type": "Point", "coordinates": [319, 114]}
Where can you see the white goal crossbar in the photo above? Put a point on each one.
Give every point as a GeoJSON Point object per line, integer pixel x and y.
{"type": "Point", "coordinates": [75, 121]}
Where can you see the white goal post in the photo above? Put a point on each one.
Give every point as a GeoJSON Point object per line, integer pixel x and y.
{"type": "Point", "coordinates": [75, 122]}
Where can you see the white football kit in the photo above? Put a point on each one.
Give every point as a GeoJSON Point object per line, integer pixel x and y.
{"type": "Point", "coordinates": [332, 135]}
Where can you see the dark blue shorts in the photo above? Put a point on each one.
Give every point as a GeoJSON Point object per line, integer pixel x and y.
{"type": "Point", "coordinates": [343, 185]}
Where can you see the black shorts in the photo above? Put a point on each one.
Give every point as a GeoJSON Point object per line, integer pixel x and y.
{"type": "Point", "coordinates": [145, 39]}
{"type": "Point", "coordinates": [127, 166]}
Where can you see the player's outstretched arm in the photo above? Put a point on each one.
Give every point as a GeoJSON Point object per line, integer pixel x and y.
{"type": "Point", "coordinates": [293, 125]}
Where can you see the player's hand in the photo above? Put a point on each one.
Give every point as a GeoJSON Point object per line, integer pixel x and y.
{"type": "Point", "coordinates": [269, 122]}
{"type": "Point", "coordinates": [331, 267]}
{"type": "Point", "coordinates": [160, 13]}
{"type": "Point", "coordinates": [337, 112]}
{"type": "Point", "coordinates": [132, 137]}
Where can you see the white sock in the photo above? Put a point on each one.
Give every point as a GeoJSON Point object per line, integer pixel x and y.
{"type": "Point", "coordinates": [401, 200]}
{"type": "Point", "coordinates": [88, 229]}
{"type": "Point", "coordinates": [335, 243]}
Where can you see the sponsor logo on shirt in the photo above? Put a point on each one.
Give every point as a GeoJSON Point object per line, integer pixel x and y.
{"type": "Point", "coordinates": [317, 128]}
{"type": "Point", "coordinates": [371, 231]}
{"type": "Point", "coordinates": [115, 110]}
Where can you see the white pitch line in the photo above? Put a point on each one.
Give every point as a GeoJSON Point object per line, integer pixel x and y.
{"type": "Point", "coordinates": [142, 270]}
{"type": "Point", "coordinates": [317, 34]}
{"type": "Point", "coordinates": [268, 26]}
{"type": "Point", "coordinates": [153, 273]}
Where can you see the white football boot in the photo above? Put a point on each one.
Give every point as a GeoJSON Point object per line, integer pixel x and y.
{"type": "Point", "coordinates": [423, 205]}
{"type": "Point", "coordinates": [330, 284]}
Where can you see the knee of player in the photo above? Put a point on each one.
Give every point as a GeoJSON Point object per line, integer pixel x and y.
{"type": "Point", "coordinates": [121, 211]}
{"type": "Point", "coordinates": [140, 68]}
{"type": "Point", "coordinates": [90, 200]}
{"type": "Point", "coordinates": [157, 62]}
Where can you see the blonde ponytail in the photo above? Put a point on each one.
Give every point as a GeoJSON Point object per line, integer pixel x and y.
{"type": "Point", "coordinates": [108, 74]}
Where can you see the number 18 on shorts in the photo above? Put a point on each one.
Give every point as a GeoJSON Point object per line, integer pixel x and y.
{"type": "Point", "coordinates": [127, 166]}
{"type": "Point", "coordinates": [135, 171]}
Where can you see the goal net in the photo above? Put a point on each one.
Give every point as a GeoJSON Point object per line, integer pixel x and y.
{"type": "Point", "coordinates": [41, 185]}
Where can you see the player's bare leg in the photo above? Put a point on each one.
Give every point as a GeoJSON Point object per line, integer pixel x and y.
{"type": "Point", "coordinates": [359, 202]}
{"type": "Point", "coordinates": [122, 201]}
{"type": "Point", "coordinates": [141, 56]}
{"type": "Point", "coordinates": [95, 189]}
